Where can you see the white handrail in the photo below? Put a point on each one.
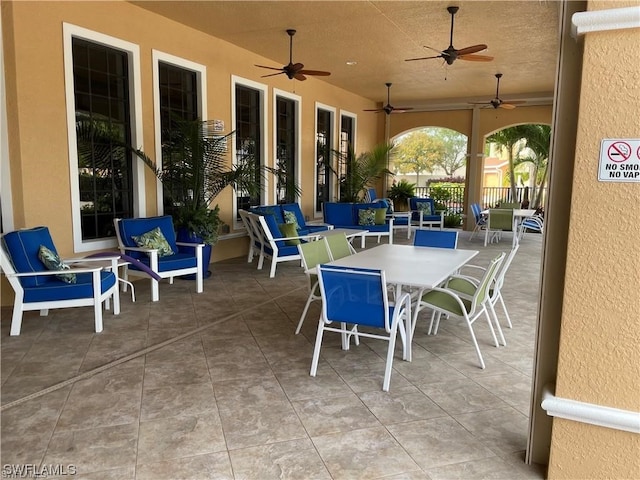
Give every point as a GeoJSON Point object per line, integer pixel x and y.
{"type": "Point", "coordinates": [590, 413]}
{"type": "Point", "coordinates": [600, 20]}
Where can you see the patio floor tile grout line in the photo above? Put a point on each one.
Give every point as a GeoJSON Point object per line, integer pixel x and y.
{"type": "Point", "coordinates": [137, 354]}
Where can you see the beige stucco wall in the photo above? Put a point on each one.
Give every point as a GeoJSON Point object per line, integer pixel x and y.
{"type": "Point", "coordinates": [36, 102]}
{"type": "Point", "coordinates": [599, 354]}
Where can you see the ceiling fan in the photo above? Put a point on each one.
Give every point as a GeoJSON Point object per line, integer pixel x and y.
{"type": "Point", "coordinates": [388, 108]}
{"type": "Point", "coordinates": [498, 102]}
{"type": "Point", "coordinates": [293, 70]}
{"type": "Point", "coordinates": [451, 54]}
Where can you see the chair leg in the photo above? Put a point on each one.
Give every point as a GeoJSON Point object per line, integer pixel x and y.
{"type": "Point", "coordinates": [97, 312]}
{"type": "Point", "coordinates": [475, 344]}
{"type": "Point", "coordinates": [155, 290]}
{"type": "Point", "coordinates": [16, 319]}
{"type": "Point", "coordinates": [390, 351]}
{"type": "Point", "coordinates": [316, 349]}
{"type": "Point", "coordinates": [274, 264]}
{"type": "Point", "coordinates": [494, 315]}
{"type": "Point", "coordinates": [504, 307]}
{"type": "Point", "coordinates": [304, 312]}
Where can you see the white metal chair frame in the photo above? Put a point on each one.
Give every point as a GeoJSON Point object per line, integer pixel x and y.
{"type": "Point", "coordinates": [392, 323]}
{"type": "Point", "coordinates": [535, 222]}
{"type": "Point", "coordinates": [153, 265]}
{"type": "Point", "coordinates": [471, 312]}
{"type": "Point", "coordinates": [96, 301]}
{"type": "Point", "coordinates": [254, 242]}
{"type": "Point", "coordinates": [267, 240]}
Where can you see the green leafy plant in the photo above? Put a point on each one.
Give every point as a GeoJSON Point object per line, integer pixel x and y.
{"type": "Point", "coordinates": [452, 220]}
{"type": "Point", "coordinates": [400, 193]}
{"type": "Point", "coordinates": [193, 159]}
{"type": "Point", "coordinates": [362, 171]}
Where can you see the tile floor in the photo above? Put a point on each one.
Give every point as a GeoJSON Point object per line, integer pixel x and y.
{"type": "Point", "coordinates": [217, 386]}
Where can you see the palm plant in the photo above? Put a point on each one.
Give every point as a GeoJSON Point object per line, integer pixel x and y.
{"type": "Point", "coordinates": [362, 171]}
{"type": "Point", "coordinates": [510, 139]}
{"type": "Point", "coordinates": [194, 170]}
{"type": "Point", "coordinates": [538, 139]}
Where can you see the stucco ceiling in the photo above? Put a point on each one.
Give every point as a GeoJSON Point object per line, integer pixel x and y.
{"type": "Point", "coordinates": [522, 36]}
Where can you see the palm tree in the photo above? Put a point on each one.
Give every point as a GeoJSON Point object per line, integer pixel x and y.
{"type": "Point", "coordinates": [363, 170]}
{"type": "Point", "coordinates": [538, 140]}
{"type": "Point", "coordinates": [509, 139]}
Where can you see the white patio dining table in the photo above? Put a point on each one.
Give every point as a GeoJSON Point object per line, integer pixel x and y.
{"type": "Point", "coordinates": [409, 266]}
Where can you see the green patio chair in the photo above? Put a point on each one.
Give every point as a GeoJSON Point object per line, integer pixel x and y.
{"type": "Point", "coordinates": [499, 220]}
{"type": "Point", "coordinates": [450, 303]}
{"type": "Point", "coordinates": [312, 254]}
{"type": "Point", "coordinates": [339, 246]}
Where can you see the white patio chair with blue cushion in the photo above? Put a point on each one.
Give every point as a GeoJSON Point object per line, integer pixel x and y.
{"type": "Point", "coordinates": [254, 243]}
{"type": "Point", "coordinates": [480, 221]}
{"type": "Point", "coordinates": [534, 223]}
{"type": "Point", "coordinates": [450, 303]}
{"type": "Point", "coordinates": [152, 241]}
{"type": "Point", "coordinates": [41, 280]}
{"type": "Point", "coordinates": [358, 297]}
{"type": "Point", "coordinates": [279, 243]}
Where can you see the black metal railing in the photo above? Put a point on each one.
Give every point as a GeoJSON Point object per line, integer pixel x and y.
{"type": "Point", "coordinates": [453, 197]}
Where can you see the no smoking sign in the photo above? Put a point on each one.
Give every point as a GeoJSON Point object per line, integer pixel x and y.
{"type": "Point", "coordinates": [619, 160]}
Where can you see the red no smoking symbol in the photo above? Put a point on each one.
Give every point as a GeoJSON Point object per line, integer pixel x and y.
{"type": "Point", "coordinates": [619, 151]}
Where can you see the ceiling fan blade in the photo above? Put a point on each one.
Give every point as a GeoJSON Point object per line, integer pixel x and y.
{"type": "Point", "coordinates": [377, 110]}
{"type": "Point", "coordinates": [300, 77]}
{"type": "Point", "coordinates": [273, 74]}
{"type": "Point", "coordinates": [270, 68]}
{"type": "Point", "coordinates": [475, 58]}
{"type": "Point", "coordinates": [401, 109]}
{"type": "Point", "coordinates": [471, 49]}
{"type": "Point", "coordinates": [318, 73]}
{"type": "Point", "coordinates": [507, 106]}
{"type": "Point", "coordinates": [434, 49]}
{"type": "Point", "coordinates": [423, 58]}
{"type": "Point", "coordinates": [515, 102]}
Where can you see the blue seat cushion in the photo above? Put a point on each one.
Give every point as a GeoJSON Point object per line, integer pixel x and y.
{"type": "Point", "coordinates": [58, 290]}
{"type": "Point", "coordinates": [173, 262]}
{"type": "Point", "coordinates": [23, 246]}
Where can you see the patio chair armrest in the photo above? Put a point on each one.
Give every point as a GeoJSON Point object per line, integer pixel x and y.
{"type": "Point", "coordinates": [189, 244]}
{"type": "Point", "coordinates": [53, 272]}
{"type": "Point", "coordinates": [139, 249]}
{"type": "Point", "coordinates": [92, 259]}
{"type": "Point", "coordinates": [313, 237]}
{"type": "Point", "coordinates": [450, 293]}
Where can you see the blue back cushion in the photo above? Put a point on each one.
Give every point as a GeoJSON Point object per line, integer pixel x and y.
{"type": "Point", "coordinates": [295, 208]}
{"type": "Point", "coordinates": [353, 295]}
{"type": "Point", "coordinates": [338, 213]}
{"type": "Point", "coordinates": [137, 226]}
{"type": "Point", "coordinates": [413, 203]}
{"type": "Point", "coordinates": [274, 210]}
{"type": "Point", "coordinates": [435, 238]}
{"type": "Point", "coordinates": [22, 246]}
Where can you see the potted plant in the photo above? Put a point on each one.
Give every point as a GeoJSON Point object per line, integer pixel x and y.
{"type": "Point", "coordinates": [362, 171]}
{"type": "Point", "coordinates": [400, 193]}
{"type": "Point", "coordinates": [194, 172]}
